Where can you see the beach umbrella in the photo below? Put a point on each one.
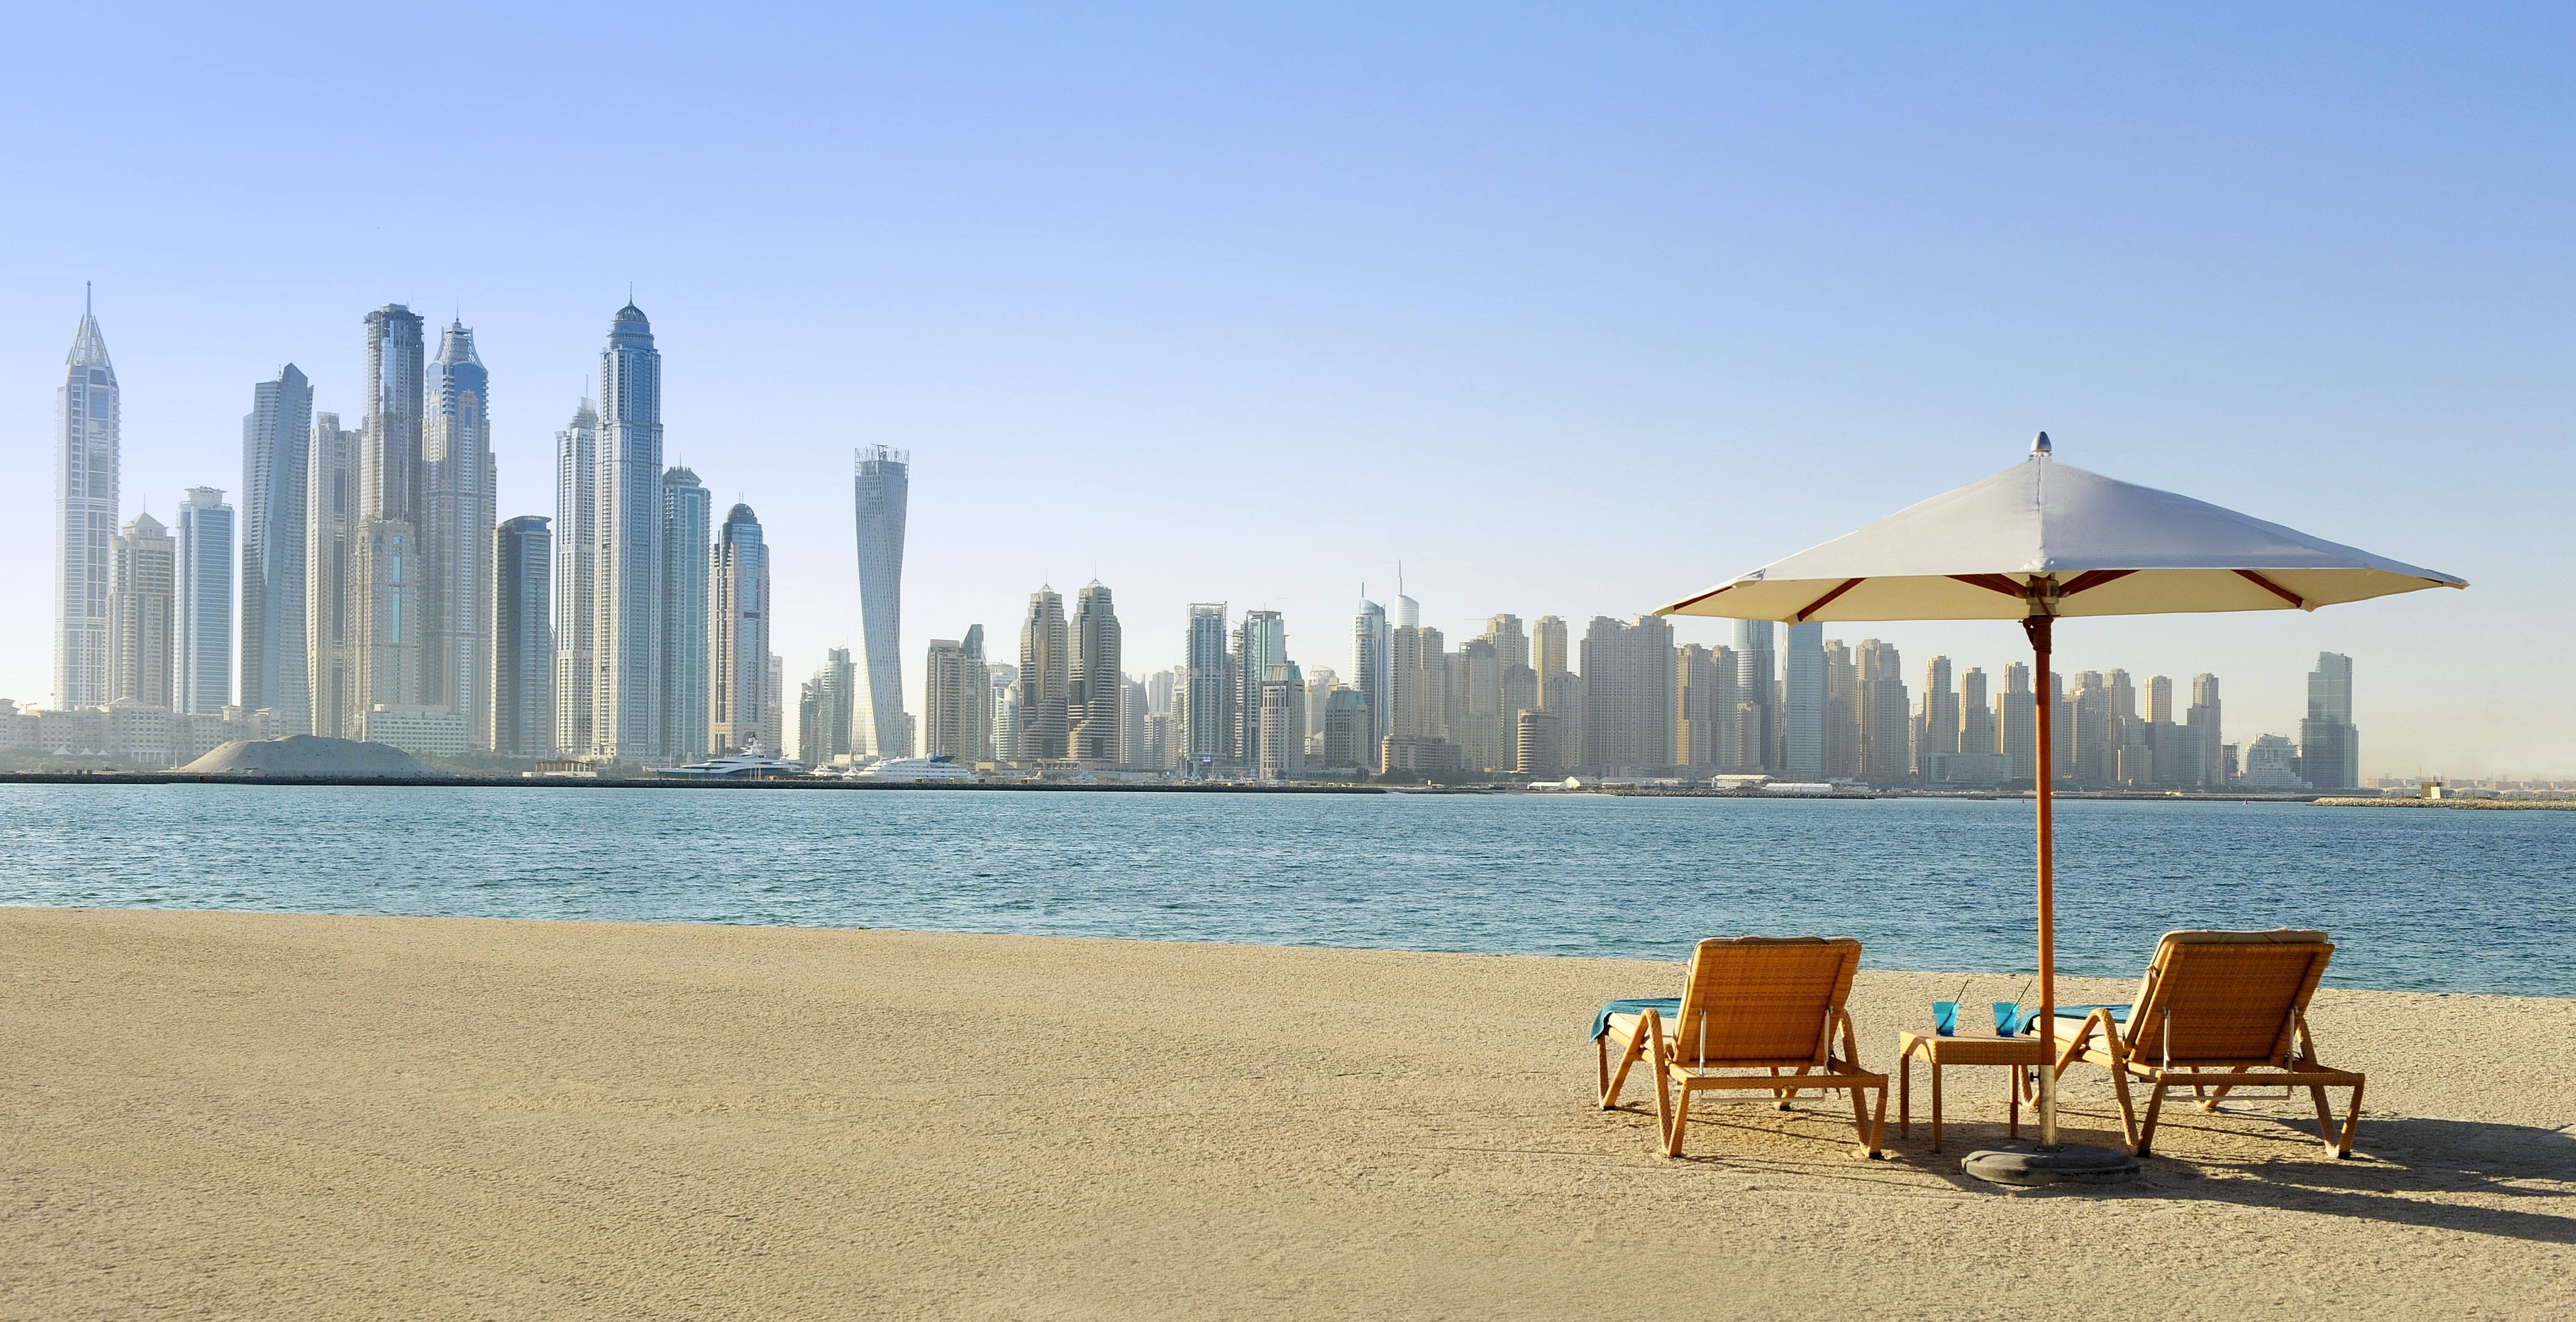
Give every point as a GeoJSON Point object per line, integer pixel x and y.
{"type": "Point", "coordinates": [2044, 541]}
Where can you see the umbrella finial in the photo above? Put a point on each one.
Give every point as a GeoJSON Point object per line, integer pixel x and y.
{"type": "Point", "coordinates": [2039, 444]}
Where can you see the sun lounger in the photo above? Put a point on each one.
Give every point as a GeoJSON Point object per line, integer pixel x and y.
{"type": "Point", "coordinates": [1748, 1004]}
{"type": "Point", "coordinates": [2217, 1011]}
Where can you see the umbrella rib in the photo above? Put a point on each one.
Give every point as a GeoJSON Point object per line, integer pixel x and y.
{"type": "Point", "coordinates": [2094, 578]}
{"type": "Point", "coordinates": [1991, 583]}
{"type": "Point", "coordinates": [2274, 588]}
{"type": "Point", "coordinates": [1826, 600]}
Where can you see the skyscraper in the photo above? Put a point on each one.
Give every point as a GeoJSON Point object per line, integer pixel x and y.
{"type": "Point", "coordinates": [1802, 708]}
{"type": "Point", "coordinates": [1758, 719]}
{"type": "Point", "coordinates": [86, 432]}
{"type": "Point", "coordinates": [1096, 686]}
{"type": "Point", "coordinates": [1548, 642]}
{"type": "Point", "coordinates": [956, 699]}
{"type": "Point", "coordinates": [1694, 718]}
{"type": "Point", "coordinates": [1207, 700]}
{"type": "Point", "coordinates": [1937, 729]}
{"type": "Point", "coordinates": [2017, 725]}
{"type": "Point", "coordinates": [1260, 642]}
{"type": "Point", "coordinates": [2204, 712]}
{"type": "Point", "coordinates": [1281, 754]}
{"type": "Point", "coordinates": [386, 605]}
{"type": "Point", "coordinates": [686, 509]}
{"type": "Point", "coordinates": [143, 570]}
{"type": "Point", "coordinates": [576, 588]}
{"type": "Point", "coordinates": [1628, 695]}
{"type": "Point", "coordinates": [1886, 749]}
{"type": "Point", "coordinates": [1976, 716]}
{"type": "Point", "coordinates": [1842, 712]}
{"type": "Point", "coordinates": [828, 708]}
{"type": "Point", "coordinates": [335, 507]}
{"type": "Point", "coordinates": [2329, 743]}
{"type": "Point", "coordinates": [1045, 673]}
{"type": "Point", "coordinates": [884, 490]}
{"type": "Point", "coordinates": [738, 631]}
{"type": "Point", "coordinates": [205, 602]}
{"type": "Point", "coordinates": [276, 434]}
{"type": "Point", "coordinates": [522, 633]}
{"type": "Point", "coordinates": [1370, 644]}
{"type": "Point", "coordinates": [457, 522]}
{"type": "Point", "coordinates": [626, 634]}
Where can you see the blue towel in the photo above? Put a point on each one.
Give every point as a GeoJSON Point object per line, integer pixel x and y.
{"type": "Point", "coordinates": [1667, 1006]}
{"type": "Point", "coordinates": [2119, 1013]}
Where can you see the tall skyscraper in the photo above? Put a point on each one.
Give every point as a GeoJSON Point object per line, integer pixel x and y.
{"type": "Point", "coordinates": [884, 490]}
{"type": "Point", "coordinates": [1207, 700]}
{"type": "Point", "coordinates": [1260, 642]}
{"type": "Point", "coordinates": [457, 521]}
{"type": "Point", "coordinates": [978, 740]}
{"type": "Point", "coordinates": [1548, 643]}
{"type": "Point", "coordinates": [1886, 746]}
{"type": "Point", "coordinates": [1757, 716]}
{"type": "Point", "coordinates": [335, 507]}
{"type": "Point", "coordinates": [143, 569]}
{"type": "Point", "coordinates": [2329, 743]}
{"type": "Point", "coordinates": [2204, 712]}
{"type": "Point", "coordinates": [1842, 712]}
{"type": "Point", "coordinates": [1418, 682]}
{"type": "Point", "coordinates": [205, 575]}
{"type": "Point", "coordinates": [957, 699]}
{"type": "Point", "coordinates": [1281, 753]}
{"type": "Point", "coordinates": [1096, 686]}
{"type": "Point", "coordinates": [522, 633]}
{"type": "Point", "coordinates": [1371, 641]}
{"type": "Point", "coordinates": [576, 588]}
{"type": "Point", "coordinates": [1937, 728]}
{"type": "Point", "coordinates": [1045, 674]}
{"type": "Point", "coordinates": [276, 435]}
{"type": "Point", "coordinates": [626, 635]}
{"type": "Point", "coordinates": [686, 510]}
{"type": "Point", "coordinates": [387, 604]}
{"type": "Point", "coordinates": [1694, 717]}
{"type": "Point", "coordinates": [738, 631]}
{"type": "Point", "coordinates": [2017, 725]}
{"type": "Point", "coordinates": [1802, 706]}
{"type": "Point", "coordinates": [1628, 696]}
{"type": "Point", "coordinates": [86, 432]}
{"type": "Point", "coordinates": [1976, 717]}
{"type": "Point", "coordinates": [774, 701]}
{"type": "Point", "coordinates": [828, 709]}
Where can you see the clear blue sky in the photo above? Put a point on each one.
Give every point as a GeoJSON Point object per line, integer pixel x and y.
{"type": "Point", "coordinates": [1573, 310]}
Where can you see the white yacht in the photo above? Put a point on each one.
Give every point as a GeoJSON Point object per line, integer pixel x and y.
{"type": "Point", "coordinates": [916, 771]}
{"type": "Point", "coordinates": [751, 763]}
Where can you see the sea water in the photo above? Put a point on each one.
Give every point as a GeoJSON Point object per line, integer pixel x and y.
{"type": "Point", "coordinates": [2440, 900]}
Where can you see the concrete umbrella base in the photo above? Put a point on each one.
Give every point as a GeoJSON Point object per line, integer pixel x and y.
{"type": "Point", "coordinates": [2074, 1163]}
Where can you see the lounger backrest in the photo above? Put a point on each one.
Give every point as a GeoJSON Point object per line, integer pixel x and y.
{"type": "Point", "coordinates": [2227, 998]}
{"type": "Point", "coordinates": [1762, 1000]}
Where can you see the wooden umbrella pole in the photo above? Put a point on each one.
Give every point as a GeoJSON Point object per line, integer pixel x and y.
{"type": "Point", "coordinates": [2038, 627]}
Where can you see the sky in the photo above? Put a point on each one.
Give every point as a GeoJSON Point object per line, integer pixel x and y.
{"type": "Point", "coordinates": [1569, 310]}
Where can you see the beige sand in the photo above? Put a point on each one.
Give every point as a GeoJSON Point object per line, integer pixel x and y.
{"type": "Point", "coordinates": [238, 1115]}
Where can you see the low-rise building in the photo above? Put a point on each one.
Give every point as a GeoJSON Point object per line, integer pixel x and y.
{"type": "Point", "coordinates": [419, 731]}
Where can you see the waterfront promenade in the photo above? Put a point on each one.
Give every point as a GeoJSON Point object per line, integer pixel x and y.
{"type": "Point", "coordinates": [276, 1115]}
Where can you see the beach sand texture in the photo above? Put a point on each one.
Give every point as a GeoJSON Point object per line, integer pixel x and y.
{"type": "Point", "coordinates": [236, 1115]}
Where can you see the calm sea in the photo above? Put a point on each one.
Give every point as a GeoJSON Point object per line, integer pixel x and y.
{"type": "Point", "coordinates": [2426, 900]}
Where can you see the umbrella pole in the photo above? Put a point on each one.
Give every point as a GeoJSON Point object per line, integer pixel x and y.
{"type": "Point", "coordinates": [2038, 627]}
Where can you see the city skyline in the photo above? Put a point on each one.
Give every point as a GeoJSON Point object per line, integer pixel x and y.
{"type": "Point", "coordinates": [1594, 261]}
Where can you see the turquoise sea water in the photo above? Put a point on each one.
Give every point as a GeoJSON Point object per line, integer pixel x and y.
{"type": "Point", "coordinates": [2429, 900]}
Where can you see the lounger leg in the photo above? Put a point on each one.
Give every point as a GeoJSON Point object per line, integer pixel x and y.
{"type": "Point", "coordinates": [2219, 1094]}
{"type": "Point", "coordinates": [1612, 1082]}
{"type": "Point", "coordinates": [2128, 1110]}
{"type": "Point", "coordinates": [2325, 1114]}
{"type": "Point", "coordinates": [1870, 1134]}
{"type": "Point", "coordinates": [1905, 1096]}
{"type": "Point", "coordinates": [1666, 1124]}
{"type": "Point", "coordinates": [1679, 1121]}
{"type": "Point", "coordinates": [1788, 1095]}
{"type": "Point", "coordinates": [2351, 1120]}
{"type": "Point", "coordinates": [2147, 1131]}
{"type": "Point", "coordinates": [1878, 1126]}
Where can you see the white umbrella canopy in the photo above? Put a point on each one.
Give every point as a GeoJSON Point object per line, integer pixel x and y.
{"type": "Point", "coordinates": [2038, 542]}
{"type": "Point", "coordinates": [2094, 545]}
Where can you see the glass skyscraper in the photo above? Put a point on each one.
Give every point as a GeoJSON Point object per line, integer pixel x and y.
{"type": "Point", "coordinates": [626, 634]}
{"type": "Point", "coordinates": [274, 506]}
{"type": "Point", "coordinates": [883, 487]}
{"type": "Point", "coordinates": [86, 435]}
{"type": "Point", "coordinates": [205, 582]}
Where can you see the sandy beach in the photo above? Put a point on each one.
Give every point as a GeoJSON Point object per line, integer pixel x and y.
{"type": "Point", "coordinates": [229, 1115]}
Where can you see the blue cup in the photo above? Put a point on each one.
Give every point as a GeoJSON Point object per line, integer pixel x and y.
{"type": "Point", "coordinates": [2007, 1018]}
{"type": "Point", "coordinates": [1945, 1018]}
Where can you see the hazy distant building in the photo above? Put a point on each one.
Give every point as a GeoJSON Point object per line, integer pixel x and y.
{"type": "Point", "coordinates": [1282, 752]}
{"type": "Point", "coordinates": [956, 692]}
{"type": "Point", "coordinates": [86, 442]}
{"type": "Point", "coordinates": [1976, 715]}
{"type": "Point", "coordinates": [1346, 727]}
{"type": "Point", "coordinates": [1628, 695]}
{"type": "Point", "coordinates": [1757, 712]}
{"type": "Point", "coordinates": [334, 509]}
{"type": "Point", "coordinates": [1561, 696]}
{"type": "Point", "coordinates": [1207, 699]}
{"type": "Point", "coordinates": [1260, 642]}
{"type": "Point", "coordinates": [1046, 674]}
{"type": "Point", "coordinates": [143, 570]}
{"type": "Point", "coordinates": [1842, 712]}
{"type": "Point", "coordinates": [773, 701]}
{"type": "Point", "coordinates": [205, 602]}
{"type": "Point", "coordinates": [627, 693]}
{"type": "Point", "coordinates": [2329, 743]}
{"type": "Point", "coordinates": [1549, 654]}
{"type": "Point", "coordinates": [1695, 691]}
{"type": "Point", "coordinates": [576, 588]}
{"type": "Point", "coordinates": [522, 632]}
{"type": "Point", "coordinates": [1370, 657]}
{"type": "Point", "coordinates": [1417, 682]}
{"type": "Point", "coordinates": [1535, 746]}
{"type": "Point", "coordinates": [687, 541]}
{"type": "Point", "coordinates": [1095, 686]}
{"type": "Point", "coordinates": [388, 584]}
{"type": "Point", "coordinates": [2204, 713]}
{"type": "Point", "coordinates": [738, 626]}
{"type": "Point", "coordinates": [827, 707]}
{"type": "Point", "coordinates": [276, 465]}
{"type": "Point", "coordinates": [2272, 763]}
{"type": "Point", "coordinates": [1936, 729]}
{"type": "Point", "coordinates": [457, 521]}
{"type": "Point", "coordinates": [2017, 725]}
{"type": "Point", "coordinates": [884, 493]}
{"type": "Point", "coordinates": [1886, 745]}
{"type": "Point", "coordinates": [1006, 709]}
{"type": "Point", "coordinates": [1802, 702]}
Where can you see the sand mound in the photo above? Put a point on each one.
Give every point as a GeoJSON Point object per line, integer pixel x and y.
{"type": "Point", "coordinates": [304, 755]}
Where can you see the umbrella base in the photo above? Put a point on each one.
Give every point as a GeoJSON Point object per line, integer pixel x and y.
{"type": "Point", "coordinates": [2074, 1163]}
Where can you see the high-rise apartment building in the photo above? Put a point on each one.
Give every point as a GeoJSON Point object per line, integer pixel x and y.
{"type": "Point", "coordinates": [884, 493]}
{"type": "Point", "coordinates": [627, 691]}
{"type": "Point", "coordinates": [978, 740]}
{"type": "Point", "coordinates": [2017, 725]}
{"type": "Point", "coordinates": [522, 633]}
{"type": "Point", "coordinates": [1628, 695]}
{"type": "Point", "coordinates": [954, 689]}
{"type": "Point", "coordinates": [2329, 743]}
{"type": "Point", "coordinates": [1561, 696]}
{"type": "Point", "coordinates": [1095, 686]}
{"type": "Point", "coordinates": [738, 633]}
{"type": "Point", "coordinates": [773, 699]}
{"type": "Point", "coordinates": [458, 516]}
{"type": "Point", "coordinates": [1936, 728]}
{"type": "Point", "coordinates": [2204, 712]}
{"type": "Point", "coordinates": [1695, 689]}
{"type": "Point", "coordinates": [387, 582]}
{"type": "Point", "coordinates": [1886, 745]}
{"type": "Point", "coordinates": [826, 710]}
{"type": "Point", "coordinates": [1281, 753]}
{"type": "Point", "coordinates": [87, 423]}
{"type": "Point", "coordinates": [1207, 698]}
{"type": "Point", "coordinates": [205, 602]}
{"type": "Point", "coordinates": [1006, 709]}
{"type": "Point", "coordinates": [1802, 702]}
{"type": "Point", "coordinates": [334, 509]}
{"type": "Point", "coordinates": [1758, 719]}
{"type": "Point", "coordinates": [1371, 639]}
{"type": "Point", "coordinates": [1548, 648]}
{"type": "Point", "coordinates": [143, 571]}
{"type": "Point", "coordinates": [576, 588]}
{"type": "Point", "coordinates": [276, 435]}
{"type": "Point", "coordinates": [1260, 642]}
{"type": "Point", "coordinates": [1046, 673]}
{"type": "Point", "coordinates": [1976, 715]}
{"type": "Point", "coordinates": [687, 509]}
